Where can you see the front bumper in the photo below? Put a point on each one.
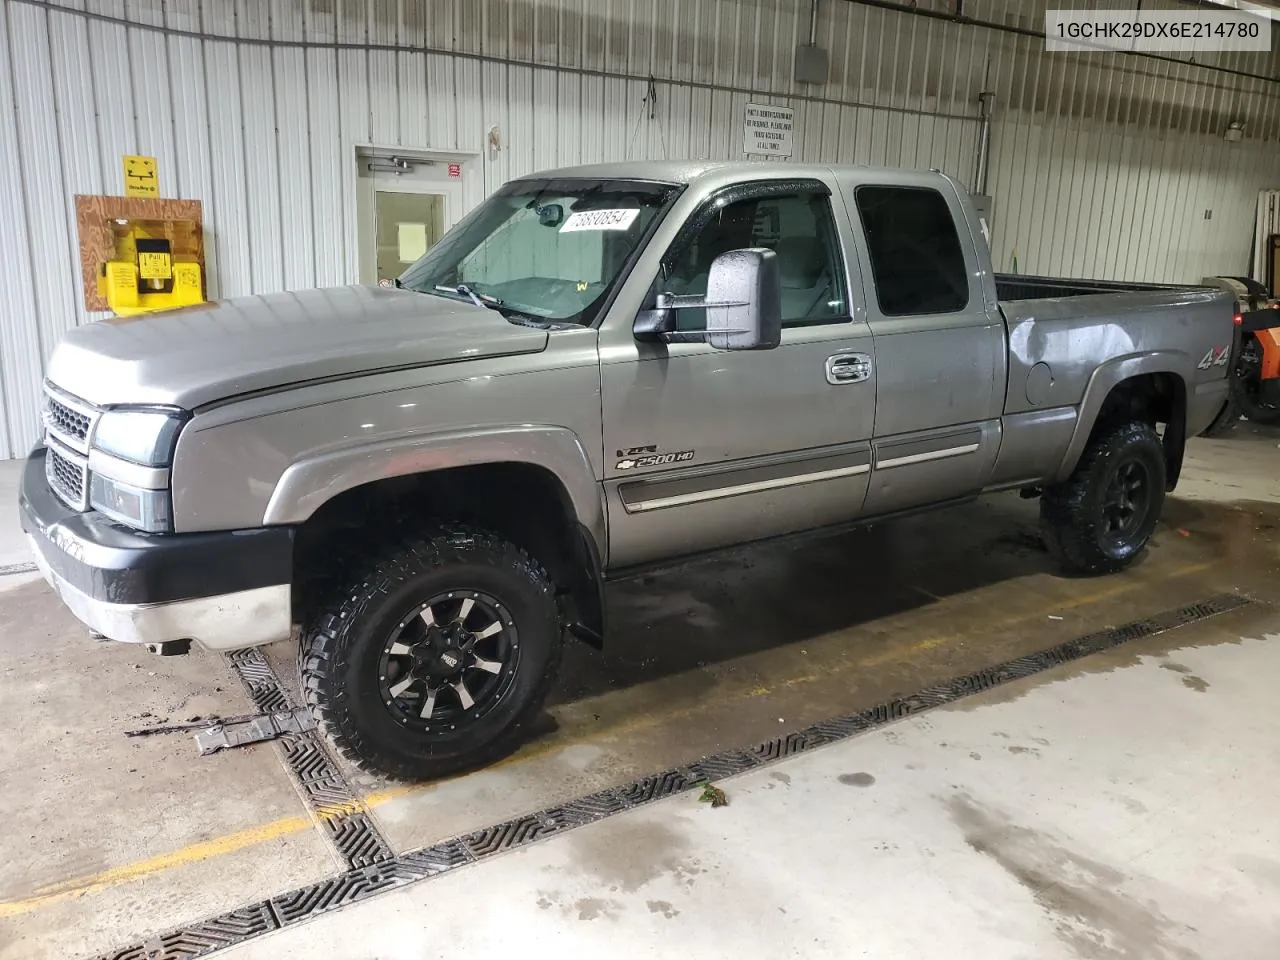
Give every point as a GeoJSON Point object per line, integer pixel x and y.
{"type": "Point", "coordinates": [224, 590]}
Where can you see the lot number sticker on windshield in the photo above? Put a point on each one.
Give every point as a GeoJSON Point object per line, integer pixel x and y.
{"type": "Point", "coordinates": [600, 220]}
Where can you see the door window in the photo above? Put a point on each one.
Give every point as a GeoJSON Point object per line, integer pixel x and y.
{"type": "Point", "coordinates": [798, 228]}
{"type": "Point", "coordinates": [916, 260]}
{"type": "Point", "coordinates": [407, 225]}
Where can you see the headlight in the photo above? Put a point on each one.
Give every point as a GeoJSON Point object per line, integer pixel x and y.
{"type": "Point", "coordinates": [141, 509]}
{"type": "Point", "coordinates": [145, 437]}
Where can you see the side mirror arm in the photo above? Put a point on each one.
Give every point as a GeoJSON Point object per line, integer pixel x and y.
{"type": "Point", "coordinates": [659, 324]}
{"type": "Point", "coordinates": [654, 326]}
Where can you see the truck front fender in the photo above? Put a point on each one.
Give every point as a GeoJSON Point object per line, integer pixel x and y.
{"type": "Point", "coordinates": [307, 485]}
{"type": "Point", "coordinates": [1104, 380]}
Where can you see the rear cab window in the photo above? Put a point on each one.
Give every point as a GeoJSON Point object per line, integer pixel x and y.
{"type": "Point", "coordinates": [917, 262]}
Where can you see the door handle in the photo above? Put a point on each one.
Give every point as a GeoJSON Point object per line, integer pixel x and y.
{"type": "Point", "coordinates": [848, 368]}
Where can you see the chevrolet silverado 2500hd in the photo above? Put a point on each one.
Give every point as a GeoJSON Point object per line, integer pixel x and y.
{"type": "Point", "coordinates": [598, 368]}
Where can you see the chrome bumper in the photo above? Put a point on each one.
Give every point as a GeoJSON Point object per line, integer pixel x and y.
{"type": "Point", "coordinates": [229, 621]}
{"type": "Point", "coordinates": [222, 589]}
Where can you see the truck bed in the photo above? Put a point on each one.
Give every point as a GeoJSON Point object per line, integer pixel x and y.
{"type": "Point", "coordinates": [1013, 286]}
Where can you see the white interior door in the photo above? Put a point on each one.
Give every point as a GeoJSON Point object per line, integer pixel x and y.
{"type": "Point", "coordinates": [401, 217]}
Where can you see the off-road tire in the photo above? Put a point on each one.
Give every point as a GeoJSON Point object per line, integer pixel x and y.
{"type": "Point", "coordinates": [342, 645]}
{"type": "Point", "coordinates": [1072, 517]}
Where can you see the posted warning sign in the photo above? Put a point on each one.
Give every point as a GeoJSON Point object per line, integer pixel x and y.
{"type": "Point", "coordinates": [766, 130]}
{"type": "Point", "coordinates": [140, 177]}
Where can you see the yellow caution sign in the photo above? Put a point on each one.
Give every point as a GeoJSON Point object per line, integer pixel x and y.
{"type": "Point", "coordinates": [140, 177]}
{"type": "Point", "coordinates": [154, 266]}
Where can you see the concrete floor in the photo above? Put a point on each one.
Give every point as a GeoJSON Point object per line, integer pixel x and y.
{"type": "Point", "coordinates": [1098, 843]}
{"type": "Point", "coordinates": [1015, 825]}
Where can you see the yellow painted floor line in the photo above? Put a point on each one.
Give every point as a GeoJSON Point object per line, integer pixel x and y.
{"type": "Point", "coordinates": [205, 850]}
{"type": "Point", "coordinates": [231, 842]}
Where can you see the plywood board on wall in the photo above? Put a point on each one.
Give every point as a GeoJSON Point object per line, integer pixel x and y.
{"type": "Point", "coordinates": [95, 215]}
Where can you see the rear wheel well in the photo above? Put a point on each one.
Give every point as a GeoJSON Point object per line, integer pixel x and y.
{"type": "Point", "coordinates": [1159, 399]}
{"type": "Point", "coordinates": [523, 503]}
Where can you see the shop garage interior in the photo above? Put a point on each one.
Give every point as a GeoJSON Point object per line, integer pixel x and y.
{"type": "Point", "coordinates": [912, 734]}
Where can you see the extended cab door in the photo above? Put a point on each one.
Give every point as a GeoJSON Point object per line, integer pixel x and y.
{"type": "Point", "coordinates": [939, 340]}
{"type": "Point", "coordinates": [704, 447]}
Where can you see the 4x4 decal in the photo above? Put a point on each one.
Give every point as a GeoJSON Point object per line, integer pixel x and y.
{"type": "Point", "coordinates": [1216, 357]}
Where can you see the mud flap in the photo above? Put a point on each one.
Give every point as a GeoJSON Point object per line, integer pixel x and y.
{"type": "Point", "coordinates": [587, 613]}
{"type": "Point", "coordinates": [1175, 445]}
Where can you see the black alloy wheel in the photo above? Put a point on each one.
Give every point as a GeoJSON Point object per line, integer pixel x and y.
{"type": "Point", "coordinates": [433, 654]}
{"type": "Point", "coordinates": [449, 661]}
{"type": "Point", "coordinates": [1126, 503]}
{"type": "Point", "coordinates": [1100, 519]}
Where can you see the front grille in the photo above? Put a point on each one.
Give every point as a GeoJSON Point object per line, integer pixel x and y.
{"type": "Point", "coordinates": [68, 419]}
{"type": "Point", "coordinates": [67, 476]}
{"type": "Point", "coordinates": [70, 423]}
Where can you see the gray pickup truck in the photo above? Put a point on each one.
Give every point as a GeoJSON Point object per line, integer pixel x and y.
{"type": "Point", "coordinates": [599, 369]}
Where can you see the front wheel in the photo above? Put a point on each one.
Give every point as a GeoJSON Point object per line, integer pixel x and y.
{"type": "Point", "coordinates": [1100, 519]}
{"type": "Point", "coordinates": [435, 655]}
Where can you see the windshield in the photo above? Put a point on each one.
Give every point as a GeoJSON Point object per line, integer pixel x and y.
{"type": "Point", "coordinates": [547, 250]}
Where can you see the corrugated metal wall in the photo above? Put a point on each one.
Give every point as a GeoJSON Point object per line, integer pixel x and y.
{"type": "Point", "coordinates": [1102, 165]}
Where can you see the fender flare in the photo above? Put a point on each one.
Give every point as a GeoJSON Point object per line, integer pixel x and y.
{"type": "Point", "coordinates": [1104, 379]}
{"type": "Point", "coordinates": [308, 484]}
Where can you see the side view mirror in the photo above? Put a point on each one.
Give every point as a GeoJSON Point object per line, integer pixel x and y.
{"type": "Point", "coordinates": [743, 304]}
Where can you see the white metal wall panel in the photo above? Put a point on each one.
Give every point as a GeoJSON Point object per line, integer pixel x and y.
{"type": "Point", "coordinates": [51, 275]}
{"type": "Point", "coordinates": [1100, 165]}
{"type": "Point", "coordinates": [19, 326]}
{"type": "Point", "coordinates": [328, 171]}
{"type": "Point", "coordinates": [150, 92]}
{"type": "Point", "coordinates": [77, 140]}
{"type": "Point", "coordinates": [226, 210]}
{"type": "Point", "coordinates": [1094, 201]}
{"type": "Point", "coordinates": [113, 121]}
{"type": "Point", "coordinates": [353, 125]}
{"type": "Point", "coordinates": [192, 170]}
{"type": "Point", "coordinates": [261, 160]}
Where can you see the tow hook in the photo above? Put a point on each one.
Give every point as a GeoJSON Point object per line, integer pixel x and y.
{"type": "Point", "coordinates": [170, 648]}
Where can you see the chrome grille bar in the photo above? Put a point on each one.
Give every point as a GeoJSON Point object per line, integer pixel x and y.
{"type": "Point", "coordinates": [69, 419]}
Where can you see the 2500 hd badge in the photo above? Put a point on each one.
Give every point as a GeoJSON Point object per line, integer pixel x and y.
{"type": "Point", "coordinates": [654, 460]}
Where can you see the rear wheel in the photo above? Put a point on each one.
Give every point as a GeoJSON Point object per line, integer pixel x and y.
{"type": "Point", "coordinates": [1101, 518]}
{"type": "Point", "coordinates": [434, 656]}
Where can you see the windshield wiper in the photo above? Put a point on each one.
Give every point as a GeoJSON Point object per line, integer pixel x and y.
{"type": "Point", "coordinates": [493, 303]}
{"type": "Point", "coordinates": [479, 299]}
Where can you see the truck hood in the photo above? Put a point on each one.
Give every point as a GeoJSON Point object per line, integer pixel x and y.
{"type": "Point", "coordinates": [199, 355]}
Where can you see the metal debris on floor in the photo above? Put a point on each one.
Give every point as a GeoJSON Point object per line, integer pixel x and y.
{"type": "Point", "coordinates": [193, 723]}
{"type": "Point", "coordinates": [267, 726]}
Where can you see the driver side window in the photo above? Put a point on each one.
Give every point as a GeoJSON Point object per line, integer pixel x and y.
{"type": "Point", "coordinates": [798, 228]}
